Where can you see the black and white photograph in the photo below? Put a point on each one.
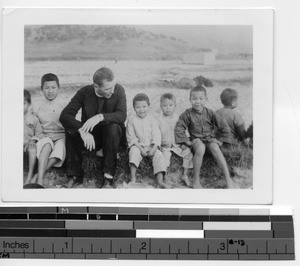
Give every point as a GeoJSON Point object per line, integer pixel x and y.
{"type": "Point", "coordinates": [145, 130]}
{"type": "Point", "coordinates": [138, 106]}
{"type": "Point", "coordinates": [150, 104]}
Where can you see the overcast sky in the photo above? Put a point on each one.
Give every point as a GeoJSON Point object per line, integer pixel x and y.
{"type": "Point", "coordinates": [227, 39]}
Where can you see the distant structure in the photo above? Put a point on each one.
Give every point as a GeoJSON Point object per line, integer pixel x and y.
{"type": "Point", "coordinates": [203, 57]}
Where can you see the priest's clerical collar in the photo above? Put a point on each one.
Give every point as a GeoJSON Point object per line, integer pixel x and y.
{"type": "Point", "coordinates": [98, 95]}
{"type": "Point", "coordinates": [105, 90]}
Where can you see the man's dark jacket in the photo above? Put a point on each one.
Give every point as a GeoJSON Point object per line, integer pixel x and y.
{"type": "Point", "coordinates": [113, 109]}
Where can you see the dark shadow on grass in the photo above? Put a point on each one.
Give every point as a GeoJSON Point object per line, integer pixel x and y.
{"type": "Point", "coordinates": [239, 159]}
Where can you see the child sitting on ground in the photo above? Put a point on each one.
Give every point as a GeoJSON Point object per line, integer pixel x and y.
{"type": "Point", "coordinates": [167, 122]}
{"type": "Point", "coordinates": [233, 119]}
{"type": "Point", "coordinates": [201, 123]}
{"type": "Point", "coordinates": [144, 138]}
{"type": "Point", "coordinates": [32, 133]}
{"type": "Point", "coordinates": [51, 149]}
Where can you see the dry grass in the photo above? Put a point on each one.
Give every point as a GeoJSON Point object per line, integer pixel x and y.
{"type": "Point", "coordinates": [153, 78]}
{"type": "Point", "coordinates": [239, 159]}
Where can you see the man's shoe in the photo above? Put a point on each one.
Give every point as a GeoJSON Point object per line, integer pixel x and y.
{"type": "Point", "coordinates": [111, 183]}
{"type": "Point", "coordinates": [109, 180]}
{"type": "Point", "coordinates": [99, 182]}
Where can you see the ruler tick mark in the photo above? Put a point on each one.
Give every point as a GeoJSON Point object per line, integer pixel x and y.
{"type": "Point", "coordinates": [50, 247]}
{"type": "Point", "coordinates": [285, 249]}
{"type": "Point", "coordinates": [227, 244]}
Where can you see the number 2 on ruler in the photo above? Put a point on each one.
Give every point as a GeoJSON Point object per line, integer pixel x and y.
{"type": "Point", "coordinates": [143, 244]}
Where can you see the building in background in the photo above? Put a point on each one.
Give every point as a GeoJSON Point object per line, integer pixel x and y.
{"type": "Point", "coordinates": [203, 57]}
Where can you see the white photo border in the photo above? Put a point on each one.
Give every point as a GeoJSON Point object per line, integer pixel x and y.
{"type": "Point", "coordinates": [14, 21]}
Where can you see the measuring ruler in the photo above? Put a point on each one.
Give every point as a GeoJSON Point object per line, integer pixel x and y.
{"type": "Point", "coordinates": [146, 233]}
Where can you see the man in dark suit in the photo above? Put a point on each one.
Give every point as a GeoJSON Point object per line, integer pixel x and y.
{"type": "Point", "coordinates": [103, 113]}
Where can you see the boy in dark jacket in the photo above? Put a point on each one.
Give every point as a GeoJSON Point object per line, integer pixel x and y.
{"type": "Point", "coordinates": [202, 123]}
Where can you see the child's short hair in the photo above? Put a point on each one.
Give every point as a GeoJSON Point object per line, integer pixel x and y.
{"type": "Point", "coordinates": [101, 74]}
{"type": "Point", "coordinates": [27, 96]}
{"type": "Point", "coordinates": [169, 96]}
{"type": "Point", "coordinates": [228, 96]}
{"type": "Point", "coordinates": [49, 77]}
{"type": "Point", "coordinates": [140, 97]}
{"type": "Point", "coordinates": [198, 88]}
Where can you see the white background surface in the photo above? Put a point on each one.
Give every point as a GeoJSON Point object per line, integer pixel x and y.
{"type": "Point", "coordinates": [286, 157]}
{"type": "Point", "coordinates": [13, 83]}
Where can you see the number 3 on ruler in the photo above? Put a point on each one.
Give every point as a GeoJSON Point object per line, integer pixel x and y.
{"type": "Point", "coordinates": [222, 246]}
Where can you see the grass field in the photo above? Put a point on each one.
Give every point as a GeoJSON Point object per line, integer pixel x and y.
{"type": "Point", "coordinates": [155, 78]}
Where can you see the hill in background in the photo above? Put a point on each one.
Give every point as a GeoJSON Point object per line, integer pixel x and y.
{"type": "Point", "coordinates": [91, 42]}
{"type": "Point", "coordinates": [75, 42]}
